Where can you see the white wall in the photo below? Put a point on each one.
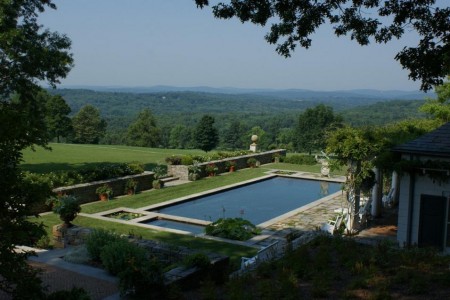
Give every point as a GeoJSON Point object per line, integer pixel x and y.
{"type": "Point", "coordinates": [423, 185]}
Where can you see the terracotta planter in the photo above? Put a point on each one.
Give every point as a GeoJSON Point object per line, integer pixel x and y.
{"type": "Point", "coordinates": [130, 192]}
{"type": "Point", "coordinates": [104, 197]}
{"type": "Point", "coordinates": [232, 168]}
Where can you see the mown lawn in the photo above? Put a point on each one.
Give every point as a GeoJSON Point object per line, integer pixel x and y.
{"type": "Point", "coordinates": [74, 156]}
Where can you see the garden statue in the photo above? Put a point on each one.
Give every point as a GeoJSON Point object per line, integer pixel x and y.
{"type": "Point", "coordinates": [253, 145]}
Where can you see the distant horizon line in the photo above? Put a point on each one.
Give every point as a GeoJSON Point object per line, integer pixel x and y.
{"type": "Point", "coordinates": [161, 86]}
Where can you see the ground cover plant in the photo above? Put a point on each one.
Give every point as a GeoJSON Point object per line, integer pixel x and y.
{"type": "Point", "coordinates": [338, 268]}
{"type": "Point", "coordinates": [124, 215]}
{"type": "Point", "coordinates": [232, 228]}
{"type": "Point", "coordinates": [136, 269]}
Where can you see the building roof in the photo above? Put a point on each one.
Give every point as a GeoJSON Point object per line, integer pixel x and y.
{"type": "Point", "coordinates": [434, 143]}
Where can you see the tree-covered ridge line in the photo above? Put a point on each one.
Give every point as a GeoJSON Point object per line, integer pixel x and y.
{"type": "Point", "coordinates": [119, 104]}
{"type": "Point", "coordinates": [274, 121]}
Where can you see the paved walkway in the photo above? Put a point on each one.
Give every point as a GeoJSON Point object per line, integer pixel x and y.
{"type": "Point", "coordinates": [61, 275]}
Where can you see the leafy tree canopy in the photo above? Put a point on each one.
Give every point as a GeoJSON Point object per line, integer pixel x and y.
{"type": "Point", "coordinates": [312, 126]}
{"type": "Point", "coordinates": [29, 54]}
{"type": "Point", "coordinates": [88, 126]}
{"type": "Point", "coordinates": [206, 135]}
{"type": "Point", "coordinates": [233, 136]}
{"type": "Point", "coordinates": [56, 116]}
{"type": "Point", "coordinates": [439, 108]}
{"type": "Point", "coordinates": [143, 132]}
{"type": "Point", "coordinates": [295, 21]}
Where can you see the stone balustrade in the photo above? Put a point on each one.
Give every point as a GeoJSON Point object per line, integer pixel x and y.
{"type": "Point", "coordinates": [85, 192]}
{"type": "Point", "coordinates": [182, 171]}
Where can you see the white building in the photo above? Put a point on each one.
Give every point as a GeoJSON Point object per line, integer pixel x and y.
{"type": "Point", "coordinates": [424, 208]}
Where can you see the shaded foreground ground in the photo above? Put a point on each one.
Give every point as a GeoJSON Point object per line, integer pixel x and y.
{"type": "Point", "coordinates": [60, 279]}
{"type": "Point", "coordinates": [56, 279]}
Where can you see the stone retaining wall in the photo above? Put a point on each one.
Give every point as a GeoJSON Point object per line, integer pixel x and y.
{"type": "Point", "coordinates": [85, 192]}
{"type": "Point", "coordinates": [267, 157]}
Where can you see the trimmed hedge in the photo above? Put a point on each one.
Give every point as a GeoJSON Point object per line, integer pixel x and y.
{"type": "Point", "coordinates": [300, 160]}
{"type": "Point", "coordinates": [84, 175]}
{"type": "Point", "coordinates": [189, 159]}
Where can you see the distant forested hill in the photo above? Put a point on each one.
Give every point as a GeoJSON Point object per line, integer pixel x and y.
{"type": "Point", "coordinates": [125, 104]}
{"type": "Point", "coordinates": [273, 114]}
{"type": "Point", "coordinates": [383, 112]}
{"type": "Point", "coordinates": [270, 110]}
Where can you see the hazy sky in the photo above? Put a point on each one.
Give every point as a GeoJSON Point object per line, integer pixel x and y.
{"type": "Point", "coordinates": [171, 42]}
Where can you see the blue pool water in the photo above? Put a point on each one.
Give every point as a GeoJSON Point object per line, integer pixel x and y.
{"type": "Point", "coordinates": [197, 229]}
{"type": "Point", "coordinates": [257, 202]}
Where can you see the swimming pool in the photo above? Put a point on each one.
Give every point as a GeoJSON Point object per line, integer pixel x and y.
{"type": "Point", "coordinates": [257, 202]}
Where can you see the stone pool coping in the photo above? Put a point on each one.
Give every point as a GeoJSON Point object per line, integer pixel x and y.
{"type": "Point", "coordinates": [147, 215]}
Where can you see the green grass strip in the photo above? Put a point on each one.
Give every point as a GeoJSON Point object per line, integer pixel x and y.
{"type": "Point", "coordinates": [168, 193]}
{"type": "Point", "coordinates": [235, 252]}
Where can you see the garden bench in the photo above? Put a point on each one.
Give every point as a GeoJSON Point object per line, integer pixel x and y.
{"type": "Point", "coordinates": [332, 225]}
{"type": "Point", "coordinates": [266, 253]}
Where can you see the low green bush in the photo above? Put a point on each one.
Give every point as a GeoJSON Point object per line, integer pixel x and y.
{"type": "Point", "coordinates": [232, 228]}
{"type": "Point", "coordinates": [142, 278]}
{"type": "Point", "coordinates": [190, 159]}
{"type": "Point", "coordinates": [300, 160]}
{"type": "Point", "coordinates": [139, 275]}
{"type": "Point", "coordinates": [174, 160]}
{"type": "Point", "coordinates": [115, 256]}
{"type": "Point", "coordinates": [252, 162]}
{"type": "Point", "coordinates": [199, 260]}
{"type": "Point", "coordinates": [187, 160]}
{"type": "Point", "coordinates": [97, 240]}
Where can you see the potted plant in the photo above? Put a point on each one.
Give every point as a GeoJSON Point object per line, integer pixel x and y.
{"type": "Point", "coordinates": [130, 186]}
{"type": "Point", "coordinates": [211, 169]}
{"type": "Point", "coordinates": [231, 165]}
{"type": "Point", "coordinates": [252, 162]}
{"type": "Point", "coordinates": [159, 173]}
{"type": "Point", "coordinates": [104, 192]}
{"type": "Point", "coordinates": [276, 157]}
{"type": "Point", "coordinates": [67, 207]}
{"type": "Point", "coordinates": [194, 171]}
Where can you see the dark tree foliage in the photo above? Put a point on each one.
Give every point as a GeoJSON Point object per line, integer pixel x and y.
{"type": "Point", "coordinates": [144, 132]}
{"type": "Point", "coordinates": [233, 136]}
{"type": "Point", "coordinates": [29, 54]}
{"type": "Point", "coordinates": [295, 21]}
{"type": "Point", "coordinates": [56, 116]}
{"type": "Point", "coordinates": [312, 126]}
{"type": "Point", "coordinates": [88, 126]}
{"type": "Point", "coordinates": [206, 135]}
{"type": "Point", "coordinates": [180, 137]}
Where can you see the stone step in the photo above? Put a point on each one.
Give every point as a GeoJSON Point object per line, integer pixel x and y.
{"type": "Point", "coordinates": [169, 179]}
